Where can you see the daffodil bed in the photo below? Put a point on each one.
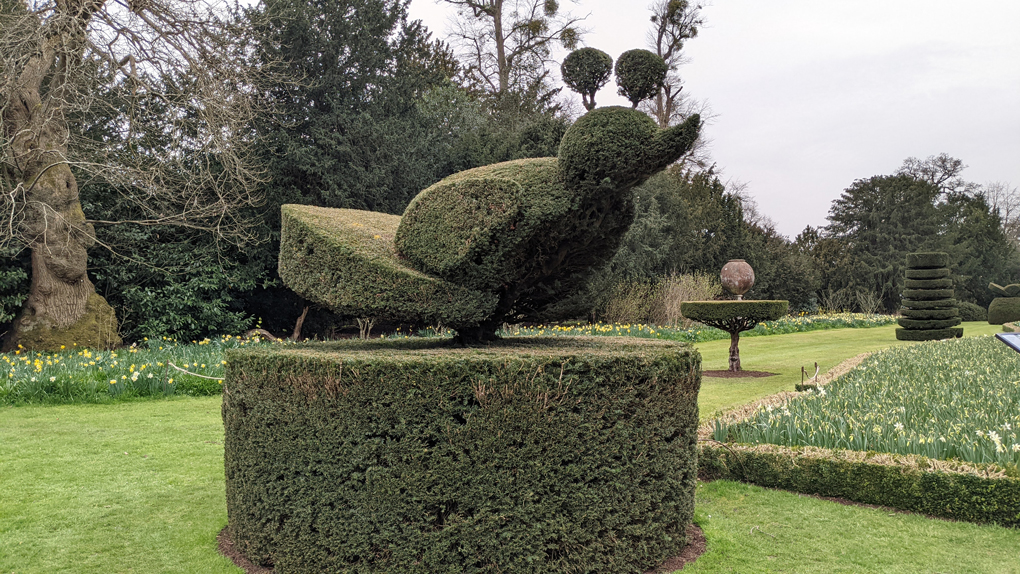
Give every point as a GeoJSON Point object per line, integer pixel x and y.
{"type": "Point", "coordinates": [156, 367]}
{"type": "Point", "coordinates": [699, 333]}
{"type": "Point", "coordinates": [954, 399]}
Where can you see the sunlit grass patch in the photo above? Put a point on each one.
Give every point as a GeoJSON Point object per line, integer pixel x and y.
{"type": "Point", "coordinates": [955, 399]}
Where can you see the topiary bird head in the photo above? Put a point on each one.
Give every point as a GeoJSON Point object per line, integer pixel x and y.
{"type": "Point", "coordinates": [617, 148]}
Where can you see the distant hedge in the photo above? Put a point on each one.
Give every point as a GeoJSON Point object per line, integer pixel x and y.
{"type": "Point", "coordinates": [908, 483]}
{"type": "Point", "coordinates": [528, 455]}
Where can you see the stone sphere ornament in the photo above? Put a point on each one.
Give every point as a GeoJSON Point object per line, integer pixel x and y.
{"type": "Point", "coordinates": [737, 277]}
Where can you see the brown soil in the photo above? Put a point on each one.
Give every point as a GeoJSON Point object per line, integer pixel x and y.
{"type": "Point", "coordinates": [696, 546]}
{"type": "Point", "coordinates": [737, 374]}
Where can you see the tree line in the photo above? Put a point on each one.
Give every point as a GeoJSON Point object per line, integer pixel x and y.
{"type": "Point", "coordinates": [164, 149]}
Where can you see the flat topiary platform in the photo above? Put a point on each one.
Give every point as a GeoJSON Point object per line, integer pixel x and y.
{"type": "Point", "coordinates": [526, 455]}
{"type": "Point", "coordinates": [345, 260]}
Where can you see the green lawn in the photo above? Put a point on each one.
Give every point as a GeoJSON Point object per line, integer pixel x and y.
{"type": "Point", "coordinates": [138, 486]}
{"type": "Point", "coordinates": [786, 354]}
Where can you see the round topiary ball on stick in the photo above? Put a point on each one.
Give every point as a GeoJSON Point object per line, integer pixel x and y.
{"type": "Point", "coordinates": [640, 75]}
{"type": "Point", "coordinates": [738, 316]}
{"type": "Point", "coordinates": [585, 71]}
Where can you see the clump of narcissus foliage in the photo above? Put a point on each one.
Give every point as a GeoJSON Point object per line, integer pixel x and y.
{"type": "Point", "coordinates": [494, 244]}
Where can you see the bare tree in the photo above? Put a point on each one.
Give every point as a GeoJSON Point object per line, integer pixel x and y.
{"type": "Point", "coordinates": [942, 171]}
{"type": "Point", "coordinates": [674, 22]}
{"type": "Point", "coordinates": [1005, 198]}
{"type": "Point", "coordinates": [506, 44]}
{"type": "Point", "coordinates": [56, 57]}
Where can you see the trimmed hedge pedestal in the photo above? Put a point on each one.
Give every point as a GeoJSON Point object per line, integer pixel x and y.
{"type": "Point", "coordinates": [734, 317]}
{"type": "Point", "coordinates": [527, 455]}
{"type": "Point", "coordinates": [929, 309]}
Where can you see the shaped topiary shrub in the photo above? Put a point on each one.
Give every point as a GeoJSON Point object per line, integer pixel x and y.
{"type": "Point", "coordinates": [526, 456]}
{"type": "Point", "coordinates": [499, 243]}
{"type": "Point", "coordinates": [734, 317]}
{"type": "Point", "coordinates": [506, 456]}
{"type": "Point", "coordinates": [928, 307]}
{"type": "Point", "coordinates": [640, 75]}
{"type": "Point", "coordinates": [1006, 307]}
{"type": "Point", "coordinates": [585, 71]}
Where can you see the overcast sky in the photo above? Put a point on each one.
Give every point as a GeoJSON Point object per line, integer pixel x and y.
{"type": "Point", "coordinates": [810, 95]}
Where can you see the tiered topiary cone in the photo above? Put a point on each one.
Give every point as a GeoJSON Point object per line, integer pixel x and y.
{"type": "Point", "coordinates": [929, 309]}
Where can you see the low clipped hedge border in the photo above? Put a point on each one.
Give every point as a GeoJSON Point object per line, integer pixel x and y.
{"type": "Point", "coordinates": [528, 455]}
{"type": "Point", "coordinates": [915, 484]}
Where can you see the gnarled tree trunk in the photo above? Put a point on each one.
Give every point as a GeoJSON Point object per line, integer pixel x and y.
{"type": "Point", "coordinates": [62, 308]}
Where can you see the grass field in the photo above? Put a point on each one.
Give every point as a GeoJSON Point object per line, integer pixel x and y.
{"type": "Point", "coordinates": [138, 487]}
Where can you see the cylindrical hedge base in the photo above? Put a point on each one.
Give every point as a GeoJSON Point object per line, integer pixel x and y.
{"type": "Point", "coordinates": [529, 455]}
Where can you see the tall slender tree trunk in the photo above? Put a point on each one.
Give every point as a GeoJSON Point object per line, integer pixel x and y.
{"type": "Point", "coordinates": [63, 308]}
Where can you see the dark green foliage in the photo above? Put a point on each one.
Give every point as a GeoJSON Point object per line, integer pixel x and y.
{"type": "Point", "coordinates": [873, 225]}
{"type": "Point", "coordinates": [531, 231]}
{"type": "Point", "coordinates": [640, 75]}
{"type": "Point", "coordinates": [944, 313]}
{"type": "Point", "coordinates": [720, 312]}
{"type": "Point", "coordinates": [13, 284]}
{"type": "Point", "coordinates": [585, 71]}
{"type": "Point", "coordinates": [925, 316]}
{"type": "Point", "coordinates": [1007, 291]}
{"type": "Point", "coordinates": [529, 455]}
{"type": "Point", "coordinates": [933, 304]}
{"type": "Point", "coordinates": [927, 260]}
{"type": "Point", "coordinates": [927, 273]}
{"type": "Point", "coordinates": [1004, 310]}
{"type": "Point", "coordinates": [971, 496]}
{"type": "Point", "coordinates": [912, 323]}
{"type": "Point", "coordinates": [944, 283]}
{"type": "Point", "coordinates": [971, 312]}
{"type": "Point", "coordinates": [344, 259]}
{"type": "Point", "coordinates": [926, 294]}
{"type": "Point", "coordinates": [347, 130]}
{"type": "Point", "coordinates": [904, 334]}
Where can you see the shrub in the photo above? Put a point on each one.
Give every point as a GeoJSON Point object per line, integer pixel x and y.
{"type": "Point", "coordinates": [929, 310]}
{"type": "Point", "coordinates": [1004, 310]}
{"type": "Point", "coordinates": [528, 455]}
{"type": "Point", "coordinates": [973, 493]}
{"type": "Point", "coordinates": [530, 231]}
{"type": "Point", "coordinates": [677, 288]}
{"type": "Point", "coordinates": [343, 259]}
{"type": "Point", "coordinates": [640, 75]}
{"type": "Point", "coordinates": [585, 71]}
{"type": "Point", "coordinates": [971, 311]}
{"type": "Point", "coordinates": [927, 260]}
{"type": "Point", "coordinates": [734, 317]}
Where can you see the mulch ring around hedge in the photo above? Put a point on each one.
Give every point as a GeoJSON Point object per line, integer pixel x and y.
{"type": "Point", "coordinates": [696, 546]}
{"type": "Point", "coordinates": [737, 374]}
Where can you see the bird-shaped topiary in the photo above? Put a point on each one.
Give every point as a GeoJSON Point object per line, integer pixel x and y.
{"type": "Point", "coordinates": [489, 245]}
{"type": "Point", "coordinates": [1006, 307]}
